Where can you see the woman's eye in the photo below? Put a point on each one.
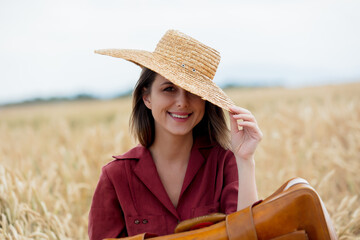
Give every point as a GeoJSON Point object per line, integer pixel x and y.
{"type": "Point", "coordinates": [169, 89]}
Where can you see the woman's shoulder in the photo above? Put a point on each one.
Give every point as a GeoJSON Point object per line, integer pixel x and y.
{"type": "Point", "coordinates": [132, 156]}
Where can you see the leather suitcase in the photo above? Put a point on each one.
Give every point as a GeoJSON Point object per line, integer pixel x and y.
{"type": "Point", "coordinates": [294, 211]}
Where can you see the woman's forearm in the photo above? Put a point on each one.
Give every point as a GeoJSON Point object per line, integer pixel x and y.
{"type": "Point", "coordinates": [247, 193]}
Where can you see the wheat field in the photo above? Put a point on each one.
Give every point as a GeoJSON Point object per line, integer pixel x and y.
{"type": "Point", "coordinates": [51, 155]}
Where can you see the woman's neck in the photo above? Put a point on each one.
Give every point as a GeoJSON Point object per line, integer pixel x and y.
{"type": "Point", "coordinates": [171, 148]}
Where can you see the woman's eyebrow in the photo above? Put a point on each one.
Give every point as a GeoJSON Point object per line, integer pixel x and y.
{"type": "Point", "coordinates": [167, 83]}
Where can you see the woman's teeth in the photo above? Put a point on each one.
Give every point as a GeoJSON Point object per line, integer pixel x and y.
{"type": "Point", "coordinates": [179, 116]}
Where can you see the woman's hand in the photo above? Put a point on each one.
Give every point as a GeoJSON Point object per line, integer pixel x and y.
{"type": "Point", "coordinates": [244, 141]}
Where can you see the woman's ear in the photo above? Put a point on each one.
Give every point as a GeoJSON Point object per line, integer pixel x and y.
{"type": "Point", "coordinates": [146, 99]}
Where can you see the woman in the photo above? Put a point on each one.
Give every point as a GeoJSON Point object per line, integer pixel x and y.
{"type": "Point", "coordinates": [186, 165]}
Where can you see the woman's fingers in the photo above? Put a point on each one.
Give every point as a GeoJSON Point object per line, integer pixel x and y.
{"type": "Point", "coordinates": [245, 132]}
{"type": "Point", "coordinates": [245, 117]}
{"type": "Point", "coordinates": [256, 132]}
{"type": "Point", "coordinates": [234, 124]}
{"type": "Point", "coordinates": [237, 110]}
{"type": "Point", "coordinates": [239, 113]}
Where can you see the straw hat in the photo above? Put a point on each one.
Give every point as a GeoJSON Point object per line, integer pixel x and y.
{"type": "Point", "coordinates": [182, 60]}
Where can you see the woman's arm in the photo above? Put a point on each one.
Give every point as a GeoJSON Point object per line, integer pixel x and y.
{"type": "Point", "coordinates": [245, 136]}
{"type": "Point", "coordinates": [105, 217]}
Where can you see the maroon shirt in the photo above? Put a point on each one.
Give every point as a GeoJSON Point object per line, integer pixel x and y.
{"type": "Point", "coordinates": [130, 198]}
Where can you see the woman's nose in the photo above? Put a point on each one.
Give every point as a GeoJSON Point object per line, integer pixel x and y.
{"type": "Point", "coordinates": [183, 98]}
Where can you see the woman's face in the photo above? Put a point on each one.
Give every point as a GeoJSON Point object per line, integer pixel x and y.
{"type": "Point", "coordinates": [175, 110]}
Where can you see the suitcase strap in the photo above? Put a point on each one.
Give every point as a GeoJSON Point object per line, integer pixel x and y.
{"type": "Point", "coordinates": [241, 225]}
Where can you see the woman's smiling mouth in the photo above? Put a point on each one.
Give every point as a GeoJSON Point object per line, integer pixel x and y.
{"type": "Point", "coordinates": [179, 116]}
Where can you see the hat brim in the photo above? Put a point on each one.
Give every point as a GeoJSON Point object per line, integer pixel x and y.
{"type": "Point", "coordinates": [197, 84]}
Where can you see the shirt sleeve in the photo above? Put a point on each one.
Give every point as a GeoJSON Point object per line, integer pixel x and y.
{"type": "Point", "coordinates": [106, 217]}
{"type": "Point", "coordinates": [229, 195]}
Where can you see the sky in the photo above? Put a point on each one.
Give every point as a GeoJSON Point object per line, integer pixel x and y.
{"type": "Point", "coordinates": [47, 47]}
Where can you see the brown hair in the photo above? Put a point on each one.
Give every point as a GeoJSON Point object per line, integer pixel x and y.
{"type": "Point", "coordinates": [142, 125]}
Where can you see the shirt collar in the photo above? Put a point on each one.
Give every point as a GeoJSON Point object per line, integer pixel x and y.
{"type": "Point", "coordinates": [146, 172]}
{"type": "Point", "coordinates": [137, 152]}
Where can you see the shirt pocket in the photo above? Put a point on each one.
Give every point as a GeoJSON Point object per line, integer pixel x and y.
{"type": "Point", "coordinates": [154, 224]}
{"type": "Point", "coordinates": [206, 210]}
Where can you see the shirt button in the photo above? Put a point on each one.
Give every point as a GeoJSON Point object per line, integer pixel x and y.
{"type": "Point", "coordinates": [145, 221]}
{"type": "Point", "coordinates": [136, 221]}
